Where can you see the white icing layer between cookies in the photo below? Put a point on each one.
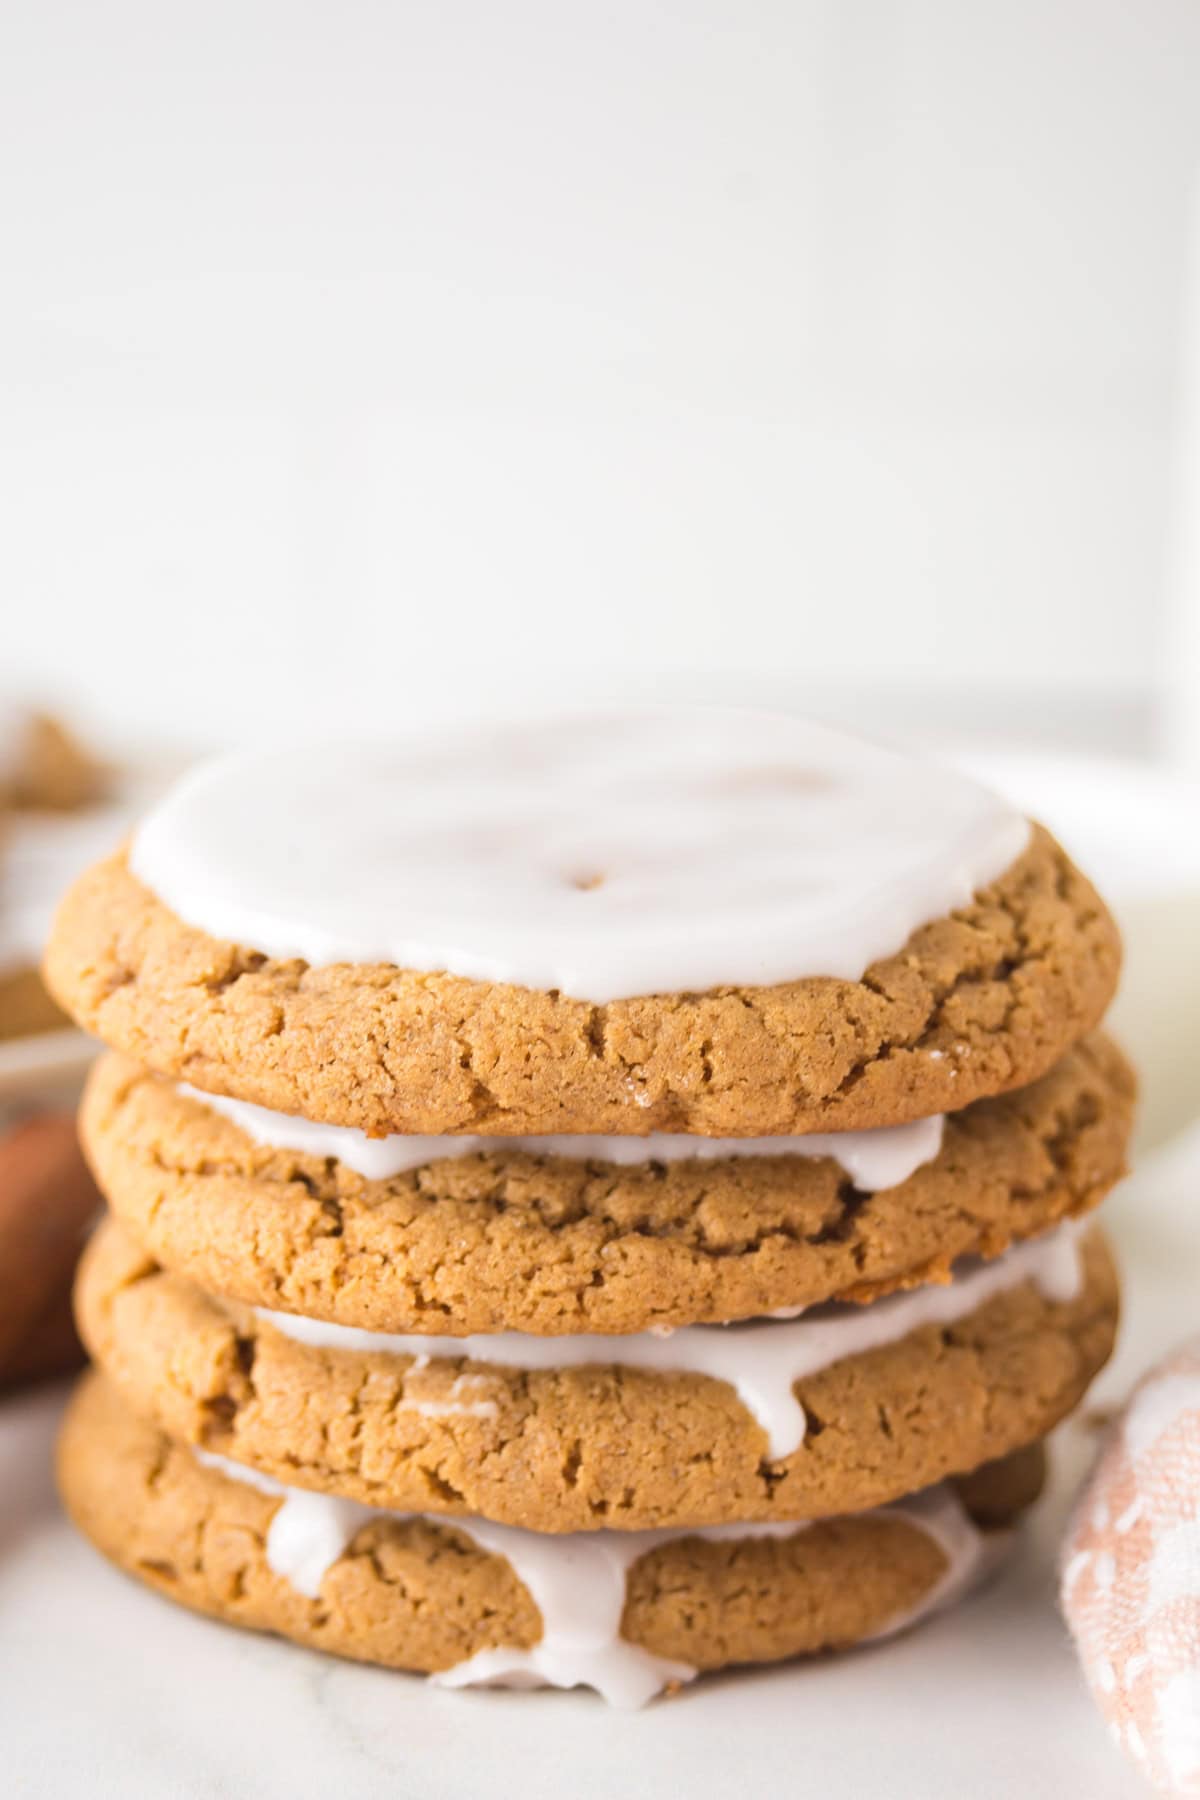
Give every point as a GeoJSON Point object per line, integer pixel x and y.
{"type": "Point", "coordinates": [658, 851]}
{"type": "Point", "coordinates": [871, 1159]}
{"type": "Point", "coordinates": [578, 1580]}
{"type": "Point", "coordinates": [761, 1360]}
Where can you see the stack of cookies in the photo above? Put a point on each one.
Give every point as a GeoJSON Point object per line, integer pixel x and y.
{"type": "Point", "coordinates": [591, 1202]}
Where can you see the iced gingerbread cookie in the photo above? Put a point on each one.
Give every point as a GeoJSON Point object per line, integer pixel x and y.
{"type": "Point", "coordinates": [696, 921]}
{"type": "Point", "coordinates": [474, 1604]}
{"type": "Point", "coordinates": [777, 1418]}
{"type": "Point", "coordinates": [578, 1234]}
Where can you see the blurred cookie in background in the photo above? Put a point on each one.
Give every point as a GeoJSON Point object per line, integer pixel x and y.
{"type": "Point", "coordinates": [43, 765]}
{"type": "Point", "coordinates": [26, 1009]}
{"type": "Point", "coordinates": [55, 811]}
{"type": "Point", "coordinates": [47, 1203]}
{"type": "Point", "coordinates": [59, 806]}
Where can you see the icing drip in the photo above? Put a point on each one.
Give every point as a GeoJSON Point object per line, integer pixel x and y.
{"type": "Point", "coordinates": [763, 1359]}
{"type": "Point", "coordinates": [458, 1405]}
{"type": "Point", "coordinates": [577, 1581]}
{"type": "Point", "coordinates": [872, 1159]}
{"type": "Point", "coordinates": [642, 852]}
{"type": "Point", "coordinates": [970, 1556]}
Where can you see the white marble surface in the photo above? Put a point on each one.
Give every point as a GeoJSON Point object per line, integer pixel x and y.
{"type": "Point", "coordinates": [109, 1691]}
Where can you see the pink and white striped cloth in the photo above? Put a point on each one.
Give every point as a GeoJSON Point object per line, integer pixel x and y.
{"type": "Point", "coordinates": [1131, 1575]}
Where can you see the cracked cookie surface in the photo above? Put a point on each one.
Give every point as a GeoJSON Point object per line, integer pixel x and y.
{"type": "Point", "coordinates": [417, 1595]}
{"type": "Point", "coordinates": [587, 1447]}
{"type": "Point", "coordinates": [511, 1241]}
{"type": "Point", "coordinates": [976, 1003]}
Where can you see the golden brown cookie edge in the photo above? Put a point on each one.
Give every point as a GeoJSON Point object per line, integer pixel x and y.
{"type": "Point", "coordinates": [974, 1004]}
{"type": "Point", "coordinates": [420, 1596]}
{"type": "Point", "coordinates": [548, 1245]}
{"type": "Point", "coordinates": [586, 1448]}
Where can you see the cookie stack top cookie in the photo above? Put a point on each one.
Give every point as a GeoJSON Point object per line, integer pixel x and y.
{"type": "Point", "coordinates": [727, 924]}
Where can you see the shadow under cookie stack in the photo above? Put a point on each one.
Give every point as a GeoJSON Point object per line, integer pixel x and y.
{"type": "Point", "coordinates": [591, 1202]}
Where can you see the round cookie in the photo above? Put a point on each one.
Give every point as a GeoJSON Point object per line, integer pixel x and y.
{"type": "Point", "coordinates": [419, 1594]}
{"type": "Point", "coordinates": [976, 1003]}
{"type": "Point", "coordinates": [561, 1447]}
{"type": "Point", "coordinates": [547, 1244]}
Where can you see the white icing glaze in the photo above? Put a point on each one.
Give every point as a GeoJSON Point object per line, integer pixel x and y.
{"type": "Point", "coordinates": [762, 1359]}
{"type": "Point", "coordinates": [577, 1581]}
{"type": "Point", "coordinates": [872, 1159]}
{"type": "Point", "coordinates": [456, 1406]}
{"type": "Point", "coordinates": [641, 852]}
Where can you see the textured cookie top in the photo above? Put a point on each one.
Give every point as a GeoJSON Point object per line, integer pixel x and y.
{"type": "Point", "coordinates": [509, 1239]}
{"type": "Point", "coordinates": [982, 1000]}
{"type": "Point", "coordinates": [665, 851]}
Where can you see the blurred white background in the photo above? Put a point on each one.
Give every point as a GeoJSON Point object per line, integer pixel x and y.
{"type": "Point", "coordinates": [364, 359]}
